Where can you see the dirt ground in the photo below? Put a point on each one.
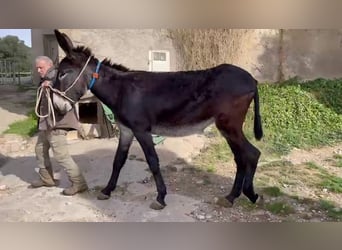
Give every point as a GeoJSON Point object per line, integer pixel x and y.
{"type": "Point", "coordinates": [193, 194]}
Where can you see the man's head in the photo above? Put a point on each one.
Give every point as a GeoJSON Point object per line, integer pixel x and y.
{"type": "Point", "coordinates": [43, 64]}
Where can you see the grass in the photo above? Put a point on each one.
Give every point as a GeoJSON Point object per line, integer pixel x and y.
{"type": "Point", "coordinates": [277, 163]}
{"type": "Point", "coordinates": [338, 160]}
{"type": "Point", "coordinates": [337, 156]}
{"type": "Point", "coordinates": [217, 152]}
{"type": "Point", "coordinates": [332, 211]}
{"type": "Point", "coordinates": [245, 203]}
{"type": "Point", "coordinates": [272, 191]}
{"type": "Point", "coordinates": [331, 182]}
{"type": "Point", "coordinates": [313, 165]}
{"type": "Point", "coordinates": [211, 169]}
{"type": "Point", "coordinates": [25, 128]}
{"type": "Point", "coordinates": [279, 208]}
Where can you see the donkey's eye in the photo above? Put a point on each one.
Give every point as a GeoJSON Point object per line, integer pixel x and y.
{"type": "Point", "coordinates": [61, 75]}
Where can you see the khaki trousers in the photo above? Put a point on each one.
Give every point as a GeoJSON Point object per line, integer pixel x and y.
{"type": "Point", "coordinates": [56, 140]}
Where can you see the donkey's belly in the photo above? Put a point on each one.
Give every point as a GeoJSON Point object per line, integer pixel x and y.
{"type": "Point", "coordinates": [181, 130]}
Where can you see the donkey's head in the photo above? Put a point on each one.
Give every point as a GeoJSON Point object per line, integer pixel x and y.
{"type": "Point", "coordinates": [75, 70]}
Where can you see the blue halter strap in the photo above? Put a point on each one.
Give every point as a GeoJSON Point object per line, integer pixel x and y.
{"type": "Point", "coordinates": [95, 75]}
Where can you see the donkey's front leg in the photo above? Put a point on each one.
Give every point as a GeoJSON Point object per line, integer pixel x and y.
{"type": "Point", "coordinates": [146, 142]}
{"type": "Point", "coordinates": [125, 141]}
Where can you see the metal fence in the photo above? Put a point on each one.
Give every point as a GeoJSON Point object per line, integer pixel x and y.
{"type": "Point", "coordinates": [10, 73]}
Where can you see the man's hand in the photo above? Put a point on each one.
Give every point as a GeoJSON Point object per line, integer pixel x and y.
{"type": "Point", "coordinates": [46, 84]}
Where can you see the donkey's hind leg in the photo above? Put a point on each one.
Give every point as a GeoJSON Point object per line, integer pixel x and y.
{"type": "Point", "coordinates": [252, 154]}
{"type": "Point", "coordinates": [246, 158]}
{"type": "Point", "coordinates": [235, 139]}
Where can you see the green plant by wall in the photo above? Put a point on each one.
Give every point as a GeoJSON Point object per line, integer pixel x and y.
{"type": "Point", "coordinates": [300, 115]}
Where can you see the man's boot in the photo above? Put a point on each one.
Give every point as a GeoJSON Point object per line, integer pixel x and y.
{"type": "Point", "coordinates": [45, 180]}
{"type": "Point", "coordinates": [79, 185]}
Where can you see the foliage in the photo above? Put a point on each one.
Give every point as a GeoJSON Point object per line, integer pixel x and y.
{"type": "Point", "coordinates": [13, 49]}
{"type": "Point", "coordinates": [301, 115]}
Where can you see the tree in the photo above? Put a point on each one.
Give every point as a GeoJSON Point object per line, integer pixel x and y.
{"type": "Point", "coordinates": [13, 49]}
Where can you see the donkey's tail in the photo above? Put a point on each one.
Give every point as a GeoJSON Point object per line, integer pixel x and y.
{"type": "Point", "coordinates": [258, 133]}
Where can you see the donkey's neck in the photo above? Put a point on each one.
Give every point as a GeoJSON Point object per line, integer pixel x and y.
{"type": "Point", "coordinates": [106, 88]}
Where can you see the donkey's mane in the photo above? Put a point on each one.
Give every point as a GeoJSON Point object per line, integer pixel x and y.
{"type": "Point", "coordinates": [84, 50]}
{"type": "Point", "coordinates": [120, 67]}
{"type": "Point", "coordinates": [87, 52]}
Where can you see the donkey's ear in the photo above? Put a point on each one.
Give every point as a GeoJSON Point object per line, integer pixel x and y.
{"type": "Point", "coordinates": [64, 42]}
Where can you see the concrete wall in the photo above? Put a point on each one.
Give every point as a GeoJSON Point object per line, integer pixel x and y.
{"type": "Point", "coordinates": [306, 54]}
{"type": "Point", "coordinates": [128, 47]}
{"type": "Point", "coordinates": [269, 54]}
{"type": "Point", "coordinates": [313, 53]}
{"type": "Point", "coordinates": [259, 55]}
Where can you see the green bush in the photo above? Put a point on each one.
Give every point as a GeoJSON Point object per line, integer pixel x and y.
{"type": "Point", "coordinates": [301, 115]}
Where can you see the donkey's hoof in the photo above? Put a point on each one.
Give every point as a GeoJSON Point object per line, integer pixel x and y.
{"type": "Point", "coordinates": [260, 200]}
{"type": "Point", "coordinates": [223, 202]}
{"type": "Point", "coordinates": [103, 196]}
{"type": "Point", "coordinates": [157, 206]}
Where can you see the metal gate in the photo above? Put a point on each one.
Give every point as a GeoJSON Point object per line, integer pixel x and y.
{"type": "Point", "coordinates": [10, 73]}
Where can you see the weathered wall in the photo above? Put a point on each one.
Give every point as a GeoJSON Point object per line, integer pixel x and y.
{"type": "Point", "coordinates": [306, 54]}
{"type": "Point", "coordinates": [259, 54]}
{"type": "Point", "coordinates": [269, 54]}
{"type": "Point", "coordinates": [128, 47]}
{"type": "Point", "coordinates": [313, 53]}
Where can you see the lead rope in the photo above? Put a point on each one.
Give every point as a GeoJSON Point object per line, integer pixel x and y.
{"type": "Point", "coordinates": [51, 111]}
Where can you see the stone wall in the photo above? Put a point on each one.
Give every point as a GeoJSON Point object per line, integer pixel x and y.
{"type": "Point", "coordinates": [269, 54]}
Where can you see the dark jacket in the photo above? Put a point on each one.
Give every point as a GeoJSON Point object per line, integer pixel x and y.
{"type": "Point", "coordinates": [68, 121]}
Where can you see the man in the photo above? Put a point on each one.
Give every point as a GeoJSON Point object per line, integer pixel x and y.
{"type": "Point", "coordinates": [52, 134]}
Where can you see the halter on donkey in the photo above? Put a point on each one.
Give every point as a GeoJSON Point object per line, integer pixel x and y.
{"type": "Point", "coordinates": [170, 104]}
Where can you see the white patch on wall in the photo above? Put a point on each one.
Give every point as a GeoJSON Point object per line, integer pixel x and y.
{"type": "Point", "coordinates": [159, 60]}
